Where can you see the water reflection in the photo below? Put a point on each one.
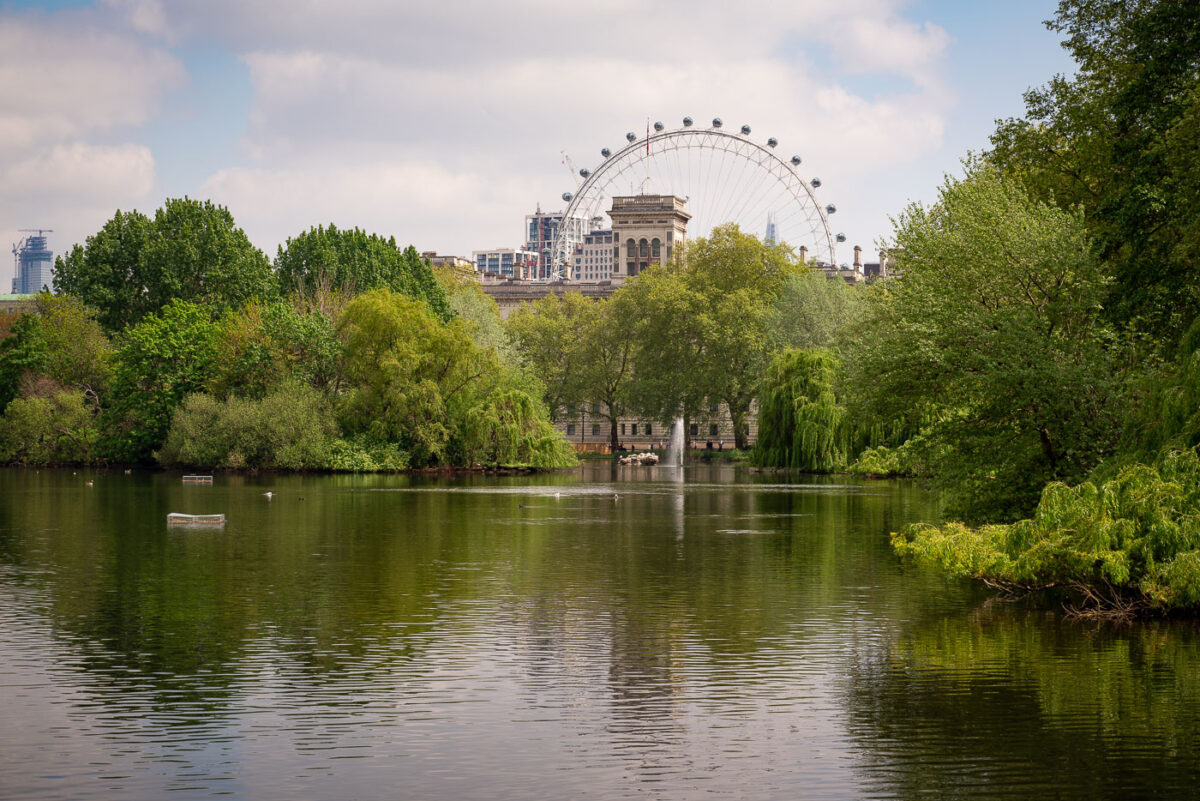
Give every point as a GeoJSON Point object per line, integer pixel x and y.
{"type": "Point", "coordinates": [1012, 701]}
{"type": "Point", "coordinates": [537, 637]}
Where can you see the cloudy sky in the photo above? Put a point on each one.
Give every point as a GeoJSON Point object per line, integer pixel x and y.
{"type": "Point", "coordinates": [442, 123]}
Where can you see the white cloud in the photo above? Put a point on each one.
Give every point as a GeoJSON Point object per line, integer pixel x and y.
{"type": "Point", "coordinates": [418, 203]}
{"type": "Point", "coordinates": [71, 78]}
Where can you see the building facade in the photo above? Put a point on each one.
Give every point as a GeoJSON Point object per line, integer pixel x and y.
{"type": "Point", "coordinates": [646, 229]}
{"type": "Point", "coordinates": [592, 259]}
{"type": "Point", "coordinates": [543, 227]}
{"type": "Point", "coordinates": [436, 260]}
{"type": "Point", "coordinates": [34, 265]}
{"type": "Point", "coordinates": [506, 263]}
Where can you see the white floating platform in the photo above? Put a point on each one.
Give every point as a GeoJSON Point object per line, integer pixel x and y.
{"type": "Point", "coordinates": [197, 479]}
{"type": "Point", "coordinates": [177, 519]}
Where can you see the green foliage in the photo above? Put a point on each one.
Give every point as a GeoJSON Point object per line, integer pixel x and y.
{"type": "Point", "coordinates": [191, 251]}
{"type": "Point", "coordinates": [479, 312]}
{"type": "Point", "coordinates": [22, 352]}
{"type": "Point", "coordinates": [354, 261]}
{"type": "Point", "coordinates": [1169, 415]}
{"type": "Point", "coordinates": [161, 360]}
{"type": "Point", "coordinates": [109, 272]}
{"type": "Point", "coordinates": [290, 428]}
{"type": "Point", "coordinates": [78, 353]}
{"type": "Point", "coordinates": [1130, 541]}
{"type": "Point", "coordinates": [798, 416]}
{"type": "Point", "coordinates": [57, 427]}
{"type": "Point", "coordinates": [581, 349]}
{"type": "Point", "coordinates": [263, 345]}
{"type": "Point", "coordinates": [811, 311]}
{"type": "Point", "coordinates": [361, 454]}
{"type": "Point", "coordinates": [882, 461]}
{"type": "Point", "coordinates": [513, 429]}
{"type": "Point", "coordinates": [1118, 139]}
{"type": "Point", "coordinates": [993, 336]}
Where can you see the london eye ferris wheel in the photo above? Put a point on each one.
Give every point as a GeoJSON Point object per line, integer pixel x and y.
{"type": "Point", "coordinates": [725, 176]}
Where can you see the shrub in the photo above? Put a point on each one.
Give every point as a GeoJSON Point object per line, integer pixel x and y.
{"type": "Point", "coordinates": [1127, 544]}
{"type": "Point", "coordinates": [292, 428]}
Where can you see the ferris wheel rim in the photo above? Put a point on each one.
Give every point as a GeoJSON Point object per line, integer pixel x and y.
{"type": "Point", "coordinates": [712, 138]}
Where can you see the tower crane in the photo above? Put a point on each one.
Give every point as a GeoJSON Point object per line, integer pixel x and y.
{"type": "Point", "coordinates": [571, 169]}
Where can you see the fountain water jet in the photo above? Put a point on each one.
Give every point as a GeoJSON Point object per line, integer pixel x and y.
{"type": "Point", "coordinates": [674, 455]}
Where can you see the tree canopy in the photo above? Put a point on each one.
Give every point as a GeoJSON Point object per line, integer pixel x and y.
{"type": "Point", "coordinates": [191, 250]}
{"type": "Point", "coordinates": [353, 261]}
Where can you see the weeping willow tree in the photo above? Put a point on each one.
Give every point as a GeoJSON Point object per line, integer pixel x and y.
{"type": "Point", "coordinates": [799, 420]}
{"type": "Point", "coordinates": [1125, 546]}
{"type": "Point", "coordinates": [512, 429]}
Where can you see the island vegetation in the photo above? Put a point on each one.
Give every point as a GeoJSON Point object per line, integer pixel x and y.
{"type": "Point", "coordinates": [1034, 358]}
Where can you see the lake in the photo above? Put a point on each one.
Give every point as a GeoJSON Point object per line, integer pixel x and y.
{"type": "Point", "coordinates": [602, 632]}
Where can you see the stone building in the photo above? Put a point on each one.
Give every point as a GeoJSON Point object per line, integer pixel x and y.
{"type": "Point", "coordinates": [647, 229]}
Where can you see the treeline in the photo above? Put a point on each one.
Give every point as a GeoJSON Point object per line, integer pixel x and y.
{"type": "Point", "coordinates": [175, 341]}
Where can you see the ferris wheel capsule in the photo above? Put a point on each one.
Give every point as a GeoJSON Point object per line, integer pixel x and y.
{"type": "Point", "coordinates": [840, 237]}
{"type": "Point", "coordinates": [585, 172]}
{"type": "Point", "coordinates": [567, 196]}
{"type": "Point", "coordinates": [745, 130]}
{"type": "Point", "coordinates": [687, 122]}
{"type": "Point", "coordinates": [831, 209]}
{"type": "Point", "coordinates": [795, 161]}
{"type": "Point", "coordinates": [717, 122]}
{"type": "Point", "coordinates": [772, 142]}
{"type": "Point", "coordinates": [604, 151]}
{"type": "Point", "coordinates": [631, 136]}
{"type": "Point", "coordinates": [815, 182]}
{"type": "Point", "coordinates": [658, 126]}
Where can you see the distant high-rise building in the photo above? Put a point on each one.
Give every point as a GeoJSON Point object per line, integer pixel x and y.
{"type": "Point", "coordinates": [771, 237]}
{"type": "Point", "coordinates": [542, 227]}
{"type": "Point", "coordinates": [506, 263]}
{"type": "Point", "coordinates": [593, 259]}
{"type": "Point", "coordinates": [34, 264]}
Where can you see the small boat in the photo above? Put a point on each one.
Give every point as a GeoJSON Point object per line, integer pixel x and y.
{"type": "Point", "coordinates": [177, 519]}
{"type": "Point", "coordinates": [197, 479]}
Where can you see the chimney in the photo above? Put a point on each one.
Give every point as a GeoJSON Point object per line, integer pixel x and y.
{"type": "Point", "coordinates": [804, 254]}
{"type": "Point", "coordinates": [858, 258]}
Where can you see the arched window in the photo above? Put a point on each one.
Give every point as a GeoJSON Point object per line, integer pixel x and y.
{"type": "Point", "coordinates": [630, 249]}
{"type": "Point", "coordinates": [656, 248]}
{"type": "Point", "coordinates": [644, 246]}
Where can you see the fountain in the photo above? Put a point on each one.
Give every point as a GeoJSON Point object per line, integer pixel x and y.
{"type": "Point", "coordinates": [674, 455]}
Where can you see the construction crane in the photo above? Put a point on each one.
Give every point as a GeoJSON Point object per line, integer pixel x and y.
{"type": "Point", "coordinates": [571, 169]}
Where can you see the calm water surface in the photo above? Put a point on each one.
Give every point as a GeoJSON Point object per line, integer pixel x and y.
{"type": "Point", "coordinates": [599, 633]}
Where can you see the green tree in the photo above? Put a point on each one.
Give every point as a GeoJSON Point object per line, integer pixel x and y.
{"type": "Point", "coordinates": [22, 352]}
{"type": "Point", "coordinates": [994, 334]}
{"type": "Point", "coordinates": [160, 361]}
{"type": "Point", "coordinates": [52, 427]}
{"type": "Point", "coordinates": [78, 353]}
{"type": "Point", "coordinates": [1117, 139]}
{"type": "Point", "coordinates": [583, 352]}
{"type": "Point", "coordinates": [109, 272]}
{"type": "Point", "coordinates": [191, 251]}
{"type": "Point", "coordinates": [263, 345]}
{"type": "Point", "coordinates": [354, 261]}
{"type": "Point", "coordinates": [291, 428]}
{"type": "Point", "coordinates": [798, 417]}
{"type": "Point", "coordinates": [411, 377]}
{"type": "Point", "coordinates": [811, 311]}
